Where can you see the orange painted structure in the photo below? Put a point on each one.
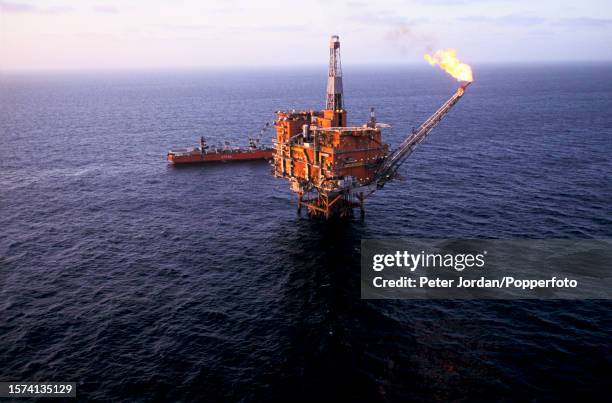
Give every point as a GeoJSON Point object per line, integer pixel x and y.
{"type": "Point", "coordinates": [327, 163]}
{"type": "Point", "coordinates": [333, 167]}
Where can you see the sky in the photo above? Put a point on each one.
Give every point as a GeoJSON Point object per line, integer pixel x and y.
{"type": "Point", "coordinates": [136, 34]}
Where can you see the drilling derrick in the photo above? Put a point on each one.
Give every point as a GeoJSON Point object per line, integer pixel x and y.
{"type": "Point", "coordinates": [332, 166]}
{"type": "Point", "coordinates": [334, 77]}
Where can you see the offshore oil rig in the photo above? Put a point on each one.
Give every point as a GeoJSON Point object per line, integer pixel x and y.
{"type": "Point", "coordinates": [333, 167]}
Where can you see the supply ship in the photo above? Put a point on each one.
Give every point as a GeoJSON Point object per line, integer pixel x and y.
{"type": "Point", "coordinates": [204, 153]}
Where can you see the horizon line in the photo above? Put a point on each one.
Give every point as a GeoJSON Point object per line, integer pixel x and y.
{"type": "Point", "coordinates": [280, 67]}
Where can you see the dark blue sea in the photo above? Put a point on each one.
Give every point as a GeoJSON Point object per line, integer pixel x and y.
{"type": "Point", "coordinates": [146, 282]}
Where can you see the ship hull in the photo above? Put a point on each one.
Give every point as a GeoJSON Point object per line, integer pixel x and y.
{"type": "Point", "coordinates": [195, 157]}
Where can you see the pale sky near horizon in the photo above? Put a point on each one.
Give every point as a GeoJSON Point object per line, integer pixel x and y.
{"type": "Point", "coordinates": [113, 34]}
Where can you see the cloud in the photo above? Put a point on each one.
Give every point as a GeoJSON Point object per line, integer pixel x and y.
{"type": "Point", "coordinates": [280, 28]}
{"type": "Point", "coordinates": [451, 2]}
{"type": "Point", "coordinates": [585, 22]}
{"type": "Point", "coordinates": [105, 9]}
{"type": "Point", "coordinates": [182, 27]}
{"type": "Point", "coordinates": [231, 29]}
{"type": "Point", "coordinates": [7, 7]}
{"type": "Point", "coordinates": [522, 20]}
{"type": "Point", "coordinates": [519, 20]}
{"type": "Point", "coordinates": [386, 18]}
{"type": "Point", "coordinates": [26, 8]}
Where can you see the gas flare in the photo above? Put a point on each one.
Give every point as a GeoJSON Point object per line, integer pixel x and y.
{"type": "Point", "coordinates": [447, 60]}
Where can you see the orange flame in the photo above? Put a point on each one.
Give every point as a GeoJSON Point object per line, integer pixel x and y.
{"type": "Point", "coordinates": [447, 60]}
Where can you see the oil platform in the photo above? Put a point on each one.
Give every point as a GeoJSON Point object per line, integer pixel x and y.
{"type": "Point", "coordinates": [331, 166]}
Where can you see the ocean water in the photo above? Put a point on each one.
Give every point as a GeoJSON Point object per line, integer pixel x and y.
{"type": "Point", "coordinates": [146, 282]}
